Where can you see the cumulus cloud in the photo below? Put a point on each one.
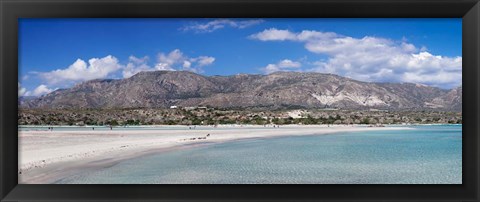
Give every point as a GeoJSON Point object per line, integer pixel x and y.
{"type": "Point", "coordinates": [21, 90]}
{"type": "Point", "coordinates": [284, 65]}
{"type": "Point", "coordinates": [373, 58]}
{"type": "Point", "coordinates": [203, 60]}
{"type": "Point", "coordinates": [167, 61]}
{"type": "Point", "coordinates": [38, 91]}
{"type": "Point", "coordinates": [136, 65]}
{"type": "Point", "coordinates": [274, 34]}
{"type": "Point", "coordinates": [219, 24]}
{"type": "Point", "coordinates": [42, 90]}
{"type": "Point", "coordinates": [187, 64]}
{"type": "Point", "coordinates": [96, 68]}
{"type": "Point", "coordinates": [177, 60]}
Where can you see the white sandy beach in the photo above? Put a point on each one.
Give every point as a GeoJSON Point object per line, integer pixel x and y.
{"type": "Point", "coordinates": [45, 156]}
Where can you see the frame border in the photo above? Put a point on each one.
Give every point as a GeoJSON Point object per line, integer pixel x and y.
{"type": "Point", "coordinates": [11, 10]}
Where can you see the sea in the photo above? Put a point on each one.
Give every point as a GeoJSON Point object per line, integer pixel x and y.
{"type": "Point", "coordinates": [425, 154]}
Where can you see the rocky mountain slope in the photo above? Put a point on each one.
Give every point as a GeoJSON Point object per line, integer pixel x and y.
{"type": "Point", "coordinates": [162, 89]}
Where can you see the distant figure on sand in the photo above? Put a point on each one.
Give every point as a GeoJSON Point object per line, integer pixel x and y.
{"type": "Point", "coordinates": [111, 128]}
{"type": "Point", "coordinates": [208, 135]}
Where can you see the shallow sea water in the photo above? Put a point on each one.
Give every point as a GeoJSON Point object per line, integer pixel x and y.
{"type": "Point", "coordinates": [424, 155]}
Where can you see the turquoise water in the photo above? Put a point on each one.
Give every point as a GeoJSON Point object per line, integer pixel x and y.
{"type": "Point", "coordinates": [424, 155]}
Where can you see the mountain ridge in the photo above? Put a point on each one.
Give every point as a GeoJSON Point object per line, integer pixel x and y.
{"type": "Point", "coordinates": [162, 89]}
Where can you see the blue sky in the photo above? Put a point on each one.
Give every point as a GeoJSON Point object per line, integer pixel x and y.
{"type": "Point", "coordinates": [58, 53]}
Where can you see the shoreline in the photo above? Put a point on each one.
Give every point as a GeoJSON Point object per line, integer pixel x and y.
{"type": "Point", "coordinates": [231, 125]}
{"type": "Point", "coordinates": [48, 156]}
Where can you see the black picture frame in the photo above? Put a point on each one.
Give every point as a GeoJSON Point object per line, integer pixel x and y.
{"type": "Point", "coordinates": [11, 10]}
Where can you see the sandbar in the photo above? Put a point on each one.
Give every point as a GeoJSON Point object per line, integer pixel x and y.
{"type": "Point", "coordinates": [46, 156]}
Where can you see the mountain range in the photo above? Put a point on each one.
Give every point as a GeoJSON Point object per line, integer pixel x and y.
{"type": "Point", "coordinates": [162, 89]}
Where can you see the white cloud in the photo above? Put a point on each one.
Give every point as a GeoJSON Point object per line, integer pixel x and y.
{"type": "Point", "coordinates": [110, 67]}
{"type": "Point", "coordinates": [274, 35]}
{"type": "Point", "coordinates": [163, 67]}
{"type": "Point", "coordinates": [40, 90]}
{"type": "Point", "coordinates": [289, 64]}
{"type": "Point", "coordinates": [167, 61]}
{"type": "Point", "coordinates": [219, 24]}
{"type": "Point", "coordinates": [81, 71]}
{"type": "Point", "coordinates": [284, 65]}
{"type": "Point", "coordinates": [136, 65]}
{"type": "Point", "coordinates": [373, 58]}
{"type": "Point", "coordinates": [204, 60]}
{"type": "Point", "coordinates": [21, 91]}
{"type": "Point", "coordinates": [187, 64]}
{"type": "Point", "coordinates": [176, 60]}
